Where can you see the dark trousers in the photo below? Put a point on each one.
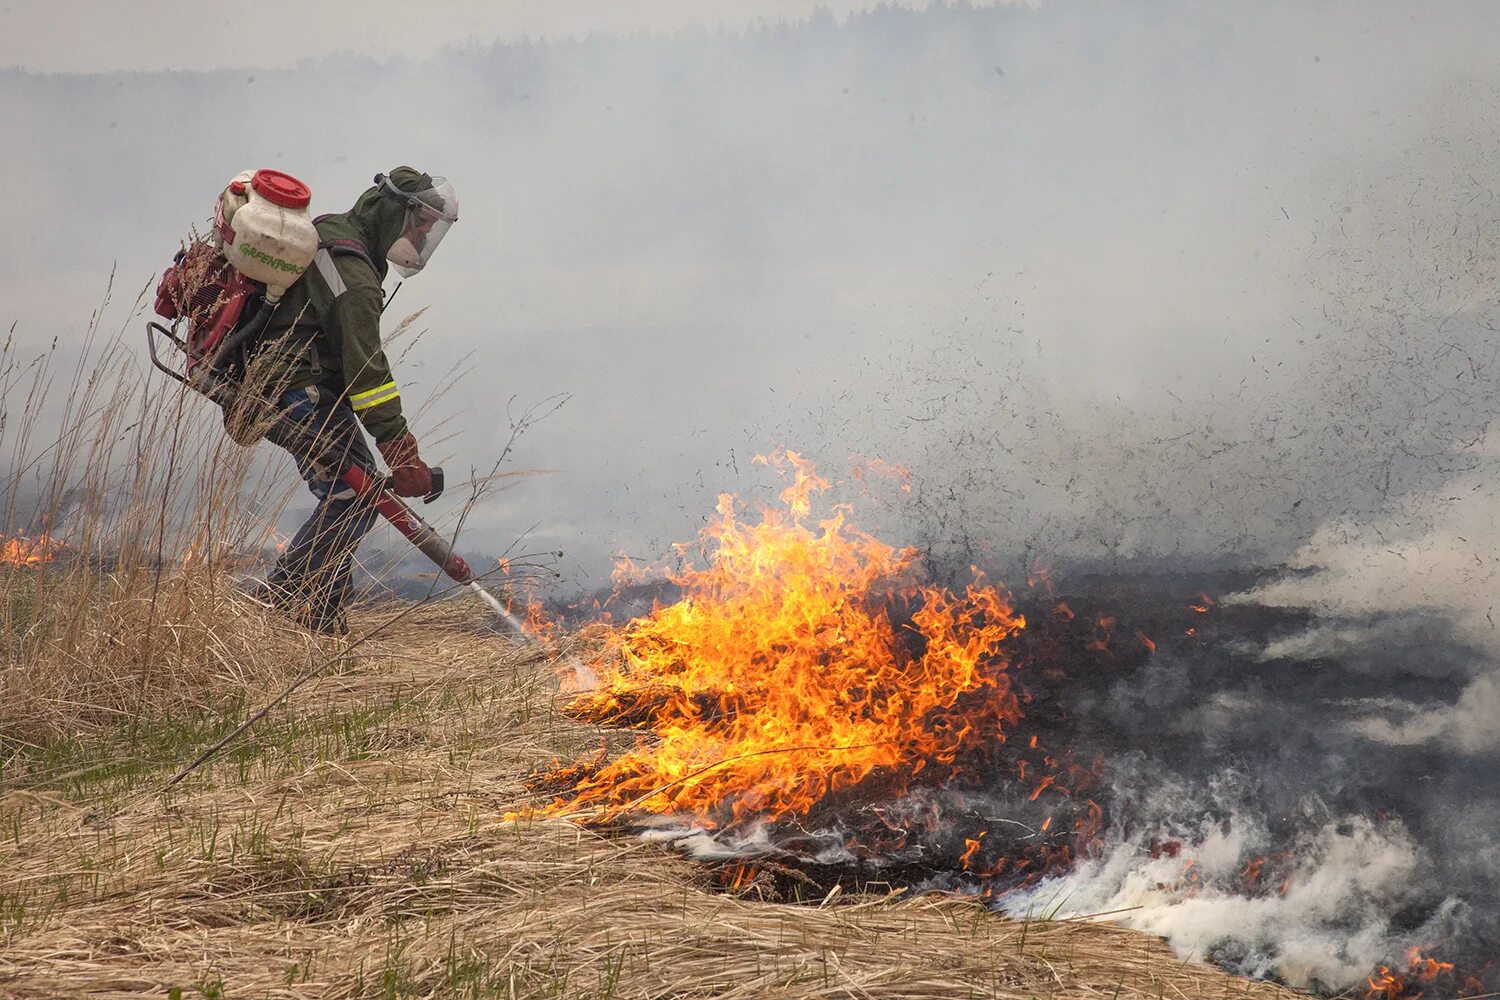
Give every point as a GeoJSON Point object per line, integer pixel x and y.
{"type": "Point", "coordinates": [314, 572]}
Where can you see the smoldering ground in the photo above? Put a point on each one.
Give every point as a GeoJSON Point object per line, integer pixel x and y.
{"type": "Point", "coordinates": [1195, 289]}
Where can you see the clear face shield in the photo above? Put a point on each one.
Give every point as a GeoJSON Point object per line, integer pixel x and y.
{"type": "Point", "coordinates": [429, 214]}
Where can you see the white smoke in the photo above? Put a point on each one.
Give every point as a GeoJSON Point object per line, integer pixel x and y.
{"type": "Point", "coordinates": [1322, 920]}
{"type": "Point", "coordinates": [1435, 553]}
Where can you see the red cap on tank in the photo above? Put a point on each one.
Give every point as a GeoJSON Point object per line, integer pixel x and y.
{"type": "Point", "coordinates": [281, 189]}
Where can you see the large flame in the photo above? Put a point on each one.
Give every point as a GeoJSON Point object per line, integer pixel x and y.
{"type": "Point", "coordinates": [20, 551]}
{"type": "Point", "coordinates": [800, 660]}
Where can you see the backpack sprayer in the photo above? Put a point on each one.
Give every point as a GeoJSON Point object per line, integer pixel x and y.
{"type": "Point", "coordinates": [263, 241]}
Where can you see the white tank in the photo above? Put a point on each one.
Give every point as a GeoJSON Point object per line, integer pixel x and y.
{"type": "Point", "coordinates": [270, 237]}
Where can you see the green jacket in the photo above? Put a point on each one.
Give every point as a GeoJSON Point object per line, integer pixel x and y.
{"type": "Point", "coordinates": [328, 322]}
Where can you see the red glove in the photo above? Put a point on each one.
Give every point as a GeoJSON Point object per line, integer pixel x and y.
{"type": "Point", "coordinates": [410, 476]}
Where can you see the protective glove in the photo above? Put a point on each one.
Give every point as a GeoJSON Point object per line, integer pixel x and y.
{"type": "Point", "coordinates": [410, 476]}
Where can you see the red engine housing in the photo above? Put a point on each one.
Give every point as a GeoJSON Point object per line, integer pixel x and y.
{"type": "Point", "coordinates": [202, 288]}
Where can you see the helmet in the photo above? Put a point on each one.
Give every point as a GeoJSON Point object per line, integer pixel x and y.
{"type": "Point", "coordinates": [431, 207]}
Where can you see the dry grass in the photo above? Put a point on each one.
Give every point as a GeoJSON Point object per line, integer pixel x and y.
{"type": "Point", "coordinates": [206, 646]}
{"type": "Point", "coordinates": [150, 511]}
{"type": "Point", "coordinates": [355, 847]}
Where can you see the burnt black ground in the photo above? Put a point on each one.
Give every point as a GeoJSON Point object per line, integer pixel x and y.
{"type": "Point", "coordinates": [1236, 732]}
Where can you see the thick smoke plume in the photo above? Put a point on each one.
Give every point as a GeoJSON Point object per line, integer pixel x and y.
{"type": "Point", "coordinates": [1165, 279]}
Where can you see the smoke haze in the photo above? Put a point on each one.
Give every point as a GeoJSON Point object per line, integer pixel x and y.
{"type": "Point", "coordinates": [1199, 286]}
{"type": "Point", "coordinates": [1116, 282]}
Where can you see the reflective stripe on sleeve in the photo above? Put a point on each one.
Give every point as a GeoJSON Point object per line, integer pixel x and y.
{"type": "Point", "coordinates": [330, 273]}
{"type": "Point", "coordinates": [374, 397]}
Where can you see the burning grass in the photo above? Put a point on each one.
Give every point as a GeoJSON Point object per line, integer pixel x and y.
{"type": "Point", "coordinates": [779, 678]}
{"type": "Point", "coordinates": [812, 696]}
{"type": "Point", "coordinates": [355, 844]}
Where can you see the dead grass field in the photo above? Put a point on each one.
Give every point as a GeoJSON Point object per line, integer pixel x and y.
{"type": "Point", "coordinates": [353, 845]}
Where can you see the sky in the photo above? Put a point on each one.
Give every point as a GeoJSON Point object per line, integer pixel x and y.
{"type": "Point", "coordinates": [89, 36]}
{"type": "Point", "coordinates": [1116, 282]}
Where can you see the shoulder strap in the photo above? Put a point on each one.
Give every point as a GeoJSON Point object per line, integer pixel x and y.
{"type": "Point", "coordinates": [345, 246]}
{"type": "Point", "coordinates": [348, 248]}
{"type": "Point", "coordinates": [342, 247]}
{"type": "Point", "coordinates": [327, 250]}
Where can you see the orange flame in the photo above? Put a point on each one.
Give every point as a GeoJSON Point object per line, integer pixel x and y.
{"type": "Point", "coordinates": [1385, 983]}
{"type": "Point", "coordinates": [738, 876]}
{"type": "Point", "coordinates": [1104, 632]}
{"type": "Point", "coordinates": [22, 551]}
{"type": "Point", "coordinates": [971, 848]}
{"type": "Point", "coordinates": [782, 675]}
{"type": "Point", "coordinates": [879, 467]}
{"type": "Point", "coordinates": [538, 622]}
{"type": "Point", "coordinates": [1426, 968]}
{"type": "Point", "coordinates": [1421, 972]}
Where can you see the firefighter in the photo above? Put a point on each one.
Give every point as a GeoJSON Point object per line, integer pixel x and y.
{"type": "Point", "coordinates": [333, 377]}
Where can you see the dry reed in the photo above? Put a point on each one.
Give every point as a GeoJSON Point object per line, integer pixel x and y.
{"type": "Point", "coordinates": [145, 512]}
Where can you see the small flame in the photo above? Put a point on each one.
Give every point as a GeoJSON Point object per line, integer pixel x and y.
{"type": "Point", "coordinates": [971, 848]}
{"type": "Point", "coordinates": [1384, 984]}
{"type": "Point", "coordinates": [1427, 968]}
{"type": "Point", "coordinates": [739, 875]}
{"type": "Point", "coordinates": [538, 623]}
{"type": "Point", "coordinates": [1422, 971]}
{"type": "Point", "coordinates": [880, 468]}
{"type": "Point", "coordinates": [22, 551]}
{"type": "Point", "coordinates": [1104, 632]}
